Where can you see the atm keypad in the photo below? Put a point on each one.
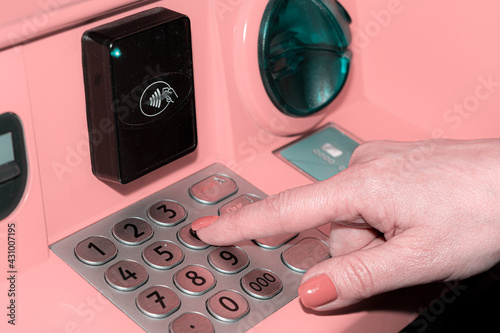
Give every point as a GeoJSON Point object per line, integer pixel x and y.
{"type": "Point", "coordinates": [147, 261]}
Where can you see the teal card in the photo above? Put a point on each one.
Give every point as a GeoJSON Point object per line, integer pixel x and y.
{"type": "Point", "coordinates": [322, 154]}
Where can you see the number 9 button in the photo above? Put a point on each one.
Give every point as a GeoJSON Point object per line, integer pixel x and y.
{"type": "Point", "coordinates": [228, 260]}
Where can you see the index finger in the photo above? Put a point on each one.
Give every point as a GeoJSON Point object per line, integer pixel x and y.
{"type": "Point", "coordinates": [291, 211]}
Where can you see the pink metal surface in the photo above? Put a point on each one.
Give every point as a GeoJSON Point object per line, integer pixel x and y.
{"type": "Point", "coordinates": [414, 62]}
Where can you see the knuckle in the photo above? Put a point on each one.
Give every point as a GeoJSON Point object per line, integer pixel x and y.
{"type": "Point", "coordinates": [278, 205]}
{"type": "Point", "coordinates": [359, 277]}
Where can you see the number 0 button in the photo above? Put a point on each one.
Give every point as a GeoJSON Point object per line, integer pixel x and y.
{"type": "Point", "coordinates": [261, 283]}
{"type": "Point", "coordinates": [126, 275]}
{"type": "Point", "coordinates": [228, 305]}
{"type": "Point", "coordinates": [132, 231]}
{"type": "Point", "coordinates": [96, 250]}
{"type": "Point", "coordinates": [194, 280]}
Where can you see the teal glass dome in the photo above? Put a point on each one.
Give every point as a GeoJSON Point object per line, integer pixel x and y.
{"type": "Point", "coordinates": [303, 53]}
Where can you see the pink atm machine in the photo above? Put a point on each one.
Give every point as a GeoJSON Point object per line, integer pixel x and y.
{"type": "Point", "coordinates": [123, 121]}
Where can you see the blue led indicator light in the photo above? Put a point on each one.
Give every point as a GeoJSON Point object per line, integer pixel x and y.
{"type": "Point", "coordinates": [116, 53]}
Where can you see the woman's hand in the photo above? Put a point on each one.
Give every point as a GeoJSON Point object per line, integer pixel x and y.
{"type": "Point", "coordinates": [401, 214]}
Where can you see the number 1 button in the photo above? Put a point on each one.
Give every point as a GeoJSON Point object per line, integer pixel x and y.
{"type": "Point", "coordinates": [96, 250]}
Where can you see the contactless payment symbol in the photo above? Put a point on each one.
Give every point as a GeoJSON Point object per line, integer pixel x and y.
{"type": "Point", "coordinates": [156, 98]}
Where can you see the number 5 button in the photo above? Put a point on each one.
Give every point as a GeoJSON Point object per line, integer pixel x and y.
{"type": "Point", "coordinates": [163, 255]}
{"type": "Point", "coordinates": [96, 250]}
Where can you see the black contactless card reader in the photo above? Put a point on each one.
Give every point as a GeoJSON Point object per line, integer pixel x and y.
{"type": "Point", "coordinates": [139, 88]}
{"type": "Point", "coordinates": [13, 163]}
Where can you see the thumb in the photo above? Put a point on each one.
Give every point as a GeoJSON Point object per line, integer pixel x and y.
{"type": "Point", "coordinates": [345, 280]}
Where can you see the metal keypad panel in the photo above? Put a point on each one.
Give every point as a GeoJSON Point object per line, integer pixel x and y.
{"type": "Point", "coordinates": [145, 259]}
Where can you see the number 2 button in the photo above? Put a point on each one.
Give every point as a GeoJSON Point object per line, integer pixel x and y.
{"type": "Point", "coordinates": [132, 231]}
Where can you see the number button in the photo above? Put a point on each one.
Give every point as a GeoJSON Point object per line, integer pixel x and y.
{"type": "Point", "coordinates": [167, 213]}
{"type": "Point", "coordinates": [194, 280]}
{"type": "Point", "coordinates": [228, 305]}
{"type": "Point", "coordinates": [261, 283]}
{"type": "Point", "coordinates": [213, 189]}
{"type": "Point", "coordinates": [158, 302]}
{"type": "Point", "coordinates": [305, 254]}
{"type": "Point", "coordinates": [96, 250]}
{"type": "Point", "coordinates": [126, 275]}
{"type": "Point", "coordinates": [228, 260]}
{"type": "Point", "coordinates": [192, 322]}
{"type": "Point", "coordinates": [163, 255]}
{"type": "Point", "coordinates": [189, 239]}
{"type": "Point", "coordinates": [132, 231]}
{"type": "Point", "coordinates": [275, 242]}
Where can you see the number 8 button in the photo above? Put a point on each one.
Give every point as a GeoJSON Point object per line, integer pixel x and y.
{"type": "Point", "coordinates": [261, 283]}
{"type": "Point", "coordinates": [194, 280]}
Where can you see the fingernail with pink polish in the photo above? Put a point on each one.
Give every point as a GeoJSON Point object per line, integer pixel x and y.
{"type": "Point", "coordinates": [203, 222]}
{"type": "Point", "coordinates": [317, 291]}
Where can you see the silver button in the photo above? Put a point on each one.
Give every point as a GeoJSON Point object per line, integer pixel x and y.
{"type": "Point", "coordinates": [194, 280]}
{"type": "Point", "coordinates": [305, 254]}
{"type": "Point", "coordinates": [191, 322]}
{"type": "Point", "coordinates": [96, 250]}
{"type": "Point", "coordinates": [167, 213]}
{"type": "Point", "coordinates": [275, 242]}
{"type": "Point", "coordinates": [132, 231]}
{"type": "Point", "coordinates": [188, 238]}
{"type": "Point", "coordinates": [158, 301]}
{"type": "Point", "coordinates": [228, 260]}
{"type": "Point", "coordinates": [213, 189]}
{"type": "Point", "coordinates": [126, 275]}
{"type": "Point", "coordinates": [228, 305]}
{"type": "Point", "coordinates": [238, 203]}
{"type": "Point", "coordinates": [163, 255]}
{"type": "Point", "coordinates": [261, 283]}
